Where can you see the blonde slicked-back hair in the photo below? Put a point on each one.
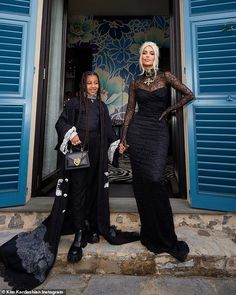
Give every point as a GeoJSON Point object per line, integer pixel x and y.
{"type": "Point", "coordinates": [156, 59]}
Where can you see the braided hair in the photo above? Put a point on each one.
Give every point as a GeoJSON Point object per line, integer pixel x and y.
{"type": "Point", "coordinates": [84, 97]}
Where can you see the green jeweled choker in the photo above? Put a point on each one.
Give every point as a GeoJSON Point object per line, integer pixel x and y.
{"type": "Point", "coordinates": [150, 75]}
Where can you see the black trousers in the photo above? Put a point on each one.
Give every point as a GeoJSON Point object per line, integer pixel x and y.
{"type": "Point", "coordinates": [84, 186]}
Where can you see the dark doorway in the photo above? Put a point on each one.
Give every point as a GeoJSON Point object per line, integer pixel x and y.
{"type": "Point", "coordinates": [78, 60]}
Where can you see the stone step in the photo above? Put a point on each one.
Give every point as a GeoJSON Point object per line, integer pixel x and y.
{"type": "Point", "coordinates": [123, 214]}
{"type": "Point", "coordinates": [211, 236]}
{"type": "Point", "coordinates": [212, 253]}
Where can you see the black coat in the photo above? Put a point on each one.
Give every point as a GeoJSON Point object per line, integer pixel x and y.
{"type": "Point", "coordinates": [66, 121]}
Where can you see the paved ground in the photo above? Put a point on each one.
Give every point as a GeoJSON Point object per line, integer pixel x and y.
{"type": "Point", "coordinates": [212, 253]}
{"type": "Point", "coordinates": [111, 269]}
{"type": "Point", "coordinates": [137, 285]}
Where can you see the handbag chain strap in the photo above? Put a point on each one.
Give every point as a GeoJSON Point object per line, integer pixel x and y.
{"type": "Point", "coordinates": [87, 127]}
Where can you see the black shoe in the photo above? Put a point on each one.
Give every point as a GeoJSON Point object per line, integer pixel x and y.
{"type": "Point", "coordinates": [180, 252]}
{"type": "Point", "coordinates": [118, 237]}
{"type": "Point", "coordinates": [75, 253]}
{"type": "Point", "coordinates": [93, 237]}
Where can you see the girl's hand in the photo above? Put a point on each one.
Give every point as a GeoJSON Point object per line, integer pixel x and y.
{"type": "Point", "coordinates": [123, 147]}
{"type": "Point", "coordinates": [75, 140]}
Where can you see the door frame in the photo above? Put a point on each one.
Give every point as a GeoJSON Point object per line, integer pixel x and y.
{"type": "Point", "coordinates": [177, 119]}
{"type": "Point", "coordinates": [38, 183]}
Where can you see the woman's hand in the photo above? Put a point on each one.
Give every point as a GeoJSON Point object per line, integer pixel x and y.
{"type": "Point", "coordinates": [75, 140]}
{"type": "Point", "coordinates": [165, 114]}
{"type": "Point", "coordinates": [123, 147]}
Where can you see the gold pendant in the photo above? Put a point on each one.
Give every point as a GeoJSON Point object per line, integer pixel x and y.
{"type": "Point", "coordinates": [77, 161]}
{"type": "Point", "coordinates": [149, 81]}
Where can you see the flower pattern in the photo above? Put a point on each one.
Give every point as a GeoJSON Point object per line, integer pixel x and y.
{"type": "Point", "coordinates": [80, 30]}
{"type": "Point", "coordinates": [34, 252]}
{"type": "Point", "coordinates": [115, 29]}
{"type": "Point", "coordinates": [154, 35]}
{"type": "Point", "coordinates": [113, 94]}
{"type": "Point", "coordinates": [119, 50]}
{"type": "Point", "coordinates": [116, 57]}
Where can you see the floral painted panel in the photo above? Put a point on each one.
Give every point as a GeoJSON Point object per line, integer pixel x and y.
{"type": "Point", "coordinates": [115, 44]}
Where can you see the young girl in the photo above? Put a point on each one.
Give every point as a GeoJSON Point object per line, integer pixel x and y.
{"type": "Point", "coordinates": [81, 204]}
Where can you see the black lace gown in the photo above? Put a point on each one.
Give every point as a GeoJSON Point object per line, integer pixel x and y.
{"type": "Point", "coordinates": [148, 140]}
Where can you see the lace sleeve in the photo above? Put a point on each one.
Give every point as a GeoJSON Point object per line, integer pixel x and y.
{"type": "Point", "coordinates": [176, 84]}
{"type": "Point", "coordinates": [129, 111]}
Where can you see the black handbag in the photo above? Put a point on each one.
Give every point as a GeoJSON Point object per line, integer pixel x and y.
{"type": "Point", "coordinates": [77, 160]}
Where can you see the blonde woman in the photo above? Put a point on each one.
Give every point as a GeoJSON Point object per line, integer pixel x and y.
{"type": "Point", "coordinates": [146, 136]}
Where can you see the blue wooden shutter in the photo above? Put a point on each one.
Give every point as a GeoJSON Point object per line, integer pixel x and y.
{"type": "Point", "coordinates": [210, 31]}
{"type": "Point", "coordinates": [17, 38]}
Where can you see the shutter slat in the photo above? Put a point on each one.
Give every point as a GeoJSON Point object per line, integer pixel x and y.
{"type": "Point", "coordinates": [9, 156]}
{"type": "Point", "coordinates": [216, 151]}
{"type": "Point", "coordinates": [216, 137]}
{"type": "Point", "coordinates": [10, 67]}
{"type": "Point", "coordinates": [9, 73]}
{"type": "Point", "coordinates": [12, 135]}
{"type": "Point", "coordinates": [211, 68]}
{"type": "Point", "coordinates": [9, 178]}
{"type": "Point", "coordinates": [215, 54]}
{"type": "Point", "coordinates": [230, 37]}
{"type": "Point", "coordinates": [216, 42]}
{"type": "Point", "coordinates": [15, 6]}
{"type": "Point", "coordinates": [9, 163]}
{"type": "Point", "coordinates": [215, 81]}
{"type": "Point", "coordinates": [12, 47]}
{"type": "Point", "coordinates": [213, 166]}
{"type": "Point", "coordinates": [215, 130]}
{"type": "Point", "coordinates": [9, 40]}
{"type": "Point", "coordinates": [216, 47]}
{"type": "Point", "coordinates": [211, 6]}
{"type": "Point", "coordinates": [218, 189]}
{"type": "Point", "coordinates": [217, 173]}
{"type": "Point", "coordinates": [9, 187]}
{"type": "Point", "coordinates": [9, 170]}
{"type": "Point", "coordinates": [217, 180]}
{"type": "Point", "coordinates": [216, 144]}
{"type": "Point", "coordinates": [220, 159]}
{"type": "Point", "coordinates": [223, 74]}
{"type": "Point", "coordinates": [218, 89]}
{"type": "Point", "coordinates": [8, 53]}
